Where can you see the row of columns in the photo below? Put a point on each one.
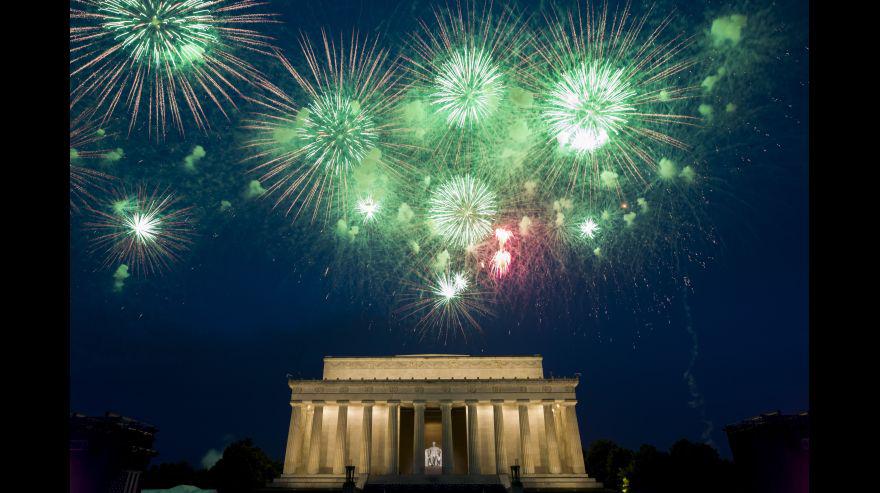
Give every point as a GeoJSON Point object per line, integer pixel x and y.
{"type": "Point", "coordinates": [304, 437]}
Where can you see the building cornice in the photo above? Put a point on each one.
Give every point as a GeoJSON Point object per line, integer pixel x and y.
{"type": "Point", "coordinates": [434, 391]}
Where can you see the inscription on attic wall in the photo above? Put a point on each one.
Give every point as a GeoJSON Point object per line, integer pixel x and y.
{"type": "Point", "coordinates": [433, 367]}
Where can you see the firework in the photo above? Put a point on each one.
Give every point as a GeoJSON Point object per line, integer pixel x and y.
{"type": "Point", "coordinates": [588, 228]}
{"type": "Point", "coordinates": [147, 231]}
{"type": "Point", "coordinates": [368, 207]}
{"type": "Point", "coordinates": [606, 89]}
{"type": "Point", "coordinates": [446, 303]}
{"type": "Point", "coordinates": [162, 57]}
{"type": "Point", "coordinates": [467, 87]}
{"type": "Point", "coordinates": [338, 147]}
{"type": "Point", "coordinates": [502, 235]}
{"type": "Point", "coordinates": [502, 258]}
{"type": "Point", "coordinates": [589, 105]}
{"type": "Point", "coordinates": [462, 210]}
{"type": "Point", "coordinates": [462, 69]}
{"type": "Point", "coordinates": [85, 181]}
{"type": "Point", "coordinates": [505, 167]}
{"type": "Point", "coordinates": [336, 134]}
{"type": "Point", "coordinates": [501, 263]}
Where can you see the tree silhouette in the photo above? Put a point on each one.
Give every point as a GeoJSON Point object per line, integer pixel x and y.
{"type": "Point", "coordinates": [688, 467]}
{"type": "Point", "coordinates": [243, 468]}
{"type": "Point", "coordinates": [606, 460]}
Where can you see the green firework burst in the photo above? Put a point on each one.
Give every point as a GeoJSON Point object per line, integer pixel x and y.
{"type": "Point", "coordinates": [146, 231]}
{"type": "Point", "coordinates": [588, 106]}
{"type": "Point", "coordinates": [338, 148]}
{"type": "Point", "coordinates": [462, 210]}
{"type": "Point", "coordinates": [336, 134]}
{"type": "Point", "coordinates": [607, 93]}
{"type": "Point", "coordinates": [446, 303]}
{"type": "Point", "coordinates": [164, 31]}
{"type": "Point", "coordinates": [165, 58]}
{"type": "Point", "coordinates": [463, 70]}
{"type": "Point", "coordinates": [467, 87]}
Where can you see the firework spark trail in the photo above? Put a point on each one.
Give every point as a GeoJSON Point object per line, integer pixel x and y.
{"type": "Point", "coordinates": [85, 181]}
{"type": "Point", "coordinates": [697, 402]}
{"type": "Point", "coordinates": [161, 54]}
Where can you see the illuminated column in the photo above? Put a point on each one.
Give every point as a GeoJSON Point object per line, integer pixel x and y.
{"type": "Point", "coordinates": [525, 440]}
{"type": "Point", "coordinates": [446, 411]}
{"type": "Point", "coordinates": [367, 443]}
{"type": "Point", "coordinates": [473, 460]}
{"type": "Point", "coordinates": [561, 439]}
{"type": "Point", "coordinates": [306, 439]}
{"type": "Point", "coordinates": [294, 438]}
{"type": "Point", "coordinates": [418, 466]}
{"type": "Point", "coordinates": [500, 455]}
{"type": "Point", "coordinates": [393, 438]}
{"type": "Point", "coordinates": [341, 453]}
{"type": "Point", "coordinates": [551, 460]}
{"type": "Point", "coordinates": [576, 455]}
{"type": "Point", "coordinates": [315, 444]}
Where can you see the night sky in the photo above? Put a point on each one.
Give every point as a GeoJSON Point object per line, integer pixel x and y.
{"type": "Point", "coordinates": [202, 351]}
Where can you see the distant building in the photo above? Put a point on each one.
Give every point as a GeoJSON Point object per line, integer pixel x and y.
{"type": "Point", "coordinates": [771, 452]}
{"type": "Point", "coordinates": [108, 453]}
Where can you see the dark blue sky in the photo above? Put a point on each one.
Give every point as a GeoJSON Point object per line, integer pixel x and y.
{"type": "Point", "coordinates": [202, 352]}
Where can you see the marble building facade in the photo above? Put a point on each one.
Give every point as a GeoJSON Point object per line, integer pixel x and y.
{"type": "Point", "coordinates": [485, 414]}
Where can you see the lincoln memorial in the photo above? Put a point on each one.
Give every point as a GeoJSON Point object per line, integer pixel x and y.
{"type": "Point", "coordinates": [428, 418]}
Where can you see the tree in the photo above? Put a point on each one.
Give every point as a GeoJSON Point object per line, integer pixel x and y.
{"type": "Point", "coordinates": [697, 467]}
{"type": "Point", "coordinates": [688, 467]}
{"type": "Point", "coordinates": [243, 468]}
{"type": "Point", "coordinates": [606, 461]}
{"type": "Point", "coordinates": [649, 471]}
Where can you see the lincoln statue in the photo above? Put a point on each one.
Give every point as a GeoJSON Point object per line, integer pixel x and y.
{"type": "Point", "coordinates": [480, 415]}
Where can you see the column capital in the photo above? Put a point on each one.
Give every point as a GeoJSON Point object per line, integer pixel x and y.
{"type": "Point", "coordinates": [419, 403]}
{"type": "Point", "coordinates": [569, 402]}
{"type": "Point", "coordinates": [446, 402]}
{"type": "Point", "coordinates": [471, 402]}
{"type": "Point", "coordinates": [393, 402]}
{"type": "Point", "coordinates": [523, 402]}
{"type": "Point", "coordinates": [497, 402]}
{"type": "Point", "coordinates": [317, 402]}
{"type": "Point", "coordinates": [342, 402]}
{"type": "Point", "coordinates": [297, 403]}
{"type": "Point", "coordinates": [368, 403]}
